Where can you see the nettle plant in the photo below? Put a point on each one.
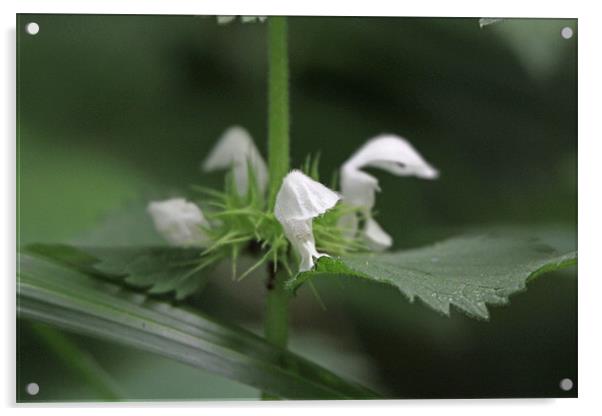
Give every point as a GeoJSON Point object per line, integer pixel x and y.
{"type": "Point", "coordinates": [298, 229]}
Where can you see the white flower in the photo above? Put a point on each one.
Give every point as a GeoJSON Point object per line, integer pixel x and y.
{"type": "Point", "coordinates": [180, 222]}
{"type": "Point", "coordinates": [235, 149]}
{"type": "Point", "coordinates": [388, 152]}
{"type": "Point", "coordinates": [300, 200]}
{"type": "Point", "coordinates": [224, 20]}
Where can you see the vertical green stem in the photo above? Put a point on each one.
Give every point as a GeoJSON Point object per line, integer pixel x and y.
{"type": "Point", "coordinates": [278, 104]}
{"type": "Point", "coordinates": [276, 318]}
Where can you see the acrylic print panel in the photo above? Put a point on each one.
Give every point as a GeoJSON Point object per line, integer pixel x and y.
{"type": "Point", "coordinates": [166, 253]}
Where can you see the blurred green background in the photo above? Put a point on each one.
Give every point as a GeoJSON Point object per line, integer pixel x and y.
{"type": "Point", "coordinates": [115, 110]}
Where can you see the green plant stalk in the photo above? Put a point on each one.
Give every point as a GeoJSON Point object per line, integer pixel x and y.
{"type": "Point", "coordinates": [276, 315]}
{"type": "Point", "coordinates": [278, 105]}
{"type": "Point", "coordinates": [276, 318]}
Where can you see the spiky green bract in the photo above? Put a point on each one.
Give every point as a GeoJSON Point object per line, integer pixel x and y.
{"type": "Point", "coordinates": [243, 223]}
{"type": "Point", "coordinates": [331, 237]}
{"type": "Point", "coordinates": [239, 224]}
{"type": "Point", "coordinates": [334, 239]}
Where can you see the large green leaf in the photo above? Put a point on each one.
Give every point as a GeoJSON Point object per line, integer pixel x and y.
{"type": "Point", "coordinates": [154, 270]}
{"type": "Point", "coordinates": [68, 298]}
{"type": "Point", "coordinates": [468, 272]}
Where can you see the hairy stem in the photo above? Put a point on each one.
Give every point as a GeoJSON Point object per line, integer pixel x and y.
{"type": "Point", "coordinates": [276, 318]}
{"type": "Point", "coordinates": [278, 104]}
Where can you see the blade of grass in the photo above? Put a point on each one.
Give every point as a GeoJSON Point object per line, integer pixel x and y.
{"type": "Point", "coordinates": [67, 298]}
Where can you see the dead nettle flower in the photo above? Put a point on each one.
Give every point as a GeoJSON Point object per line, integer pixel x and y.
{"type": "Point", "coordinates": [224, 20]}
{"type": "Point", "coordinates": [392, 154]}
{"type": "Point", "coordinates": [300, 200]}
{"type": "Point", "coordinates": [236, 150]}
{"type": "Point", "coordinates": [180, 222]}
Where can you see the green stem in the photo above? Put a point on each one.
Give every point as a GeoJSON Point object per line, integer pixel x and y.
{"type": "Point", "coordinates": [276, 318]}
{"type": "Point", "coordinates": [278, 104]}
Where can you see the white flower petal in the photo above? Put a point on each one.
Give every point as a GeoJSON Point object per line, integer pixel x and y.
{"type": "Point", "coordinates": [222, 20]}
{"type": "Point", "coordinates": [253, 19]}
{"type": "Point", "coordinates": [299, 200]}
{"type": "Point", "coordinates": [179, 221]}
{"type": "Point", "coordinates": [235, 149]}
{"type": "Point", "coordinates": [393, 154]}
{"type": "Point", "coordinates": [302, 198]}
{"type": "Point", "coordinates": [358, 187]}
{"type": "Point", "coordinates": [301, 236]}
{"type": "Point", "coordinates": [376, 237]}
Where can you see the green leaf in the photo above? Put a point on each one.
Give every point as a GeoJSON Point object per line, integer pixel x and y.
{"type": "Point", "coordinates": [154, 270]}
{"type": "Point", "coordinates": [468, 272]}
{"type": "Point", "coordinates": [67, 298]}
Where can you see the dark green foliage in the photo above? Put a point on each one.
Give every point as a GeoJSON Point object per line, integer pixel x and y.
{"type": "Point", "coordinates": [67, 298]}
{"type": "Point", "coordinates": [154, 270]}
{"type": "Point", "coordinates": [468, 272]}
